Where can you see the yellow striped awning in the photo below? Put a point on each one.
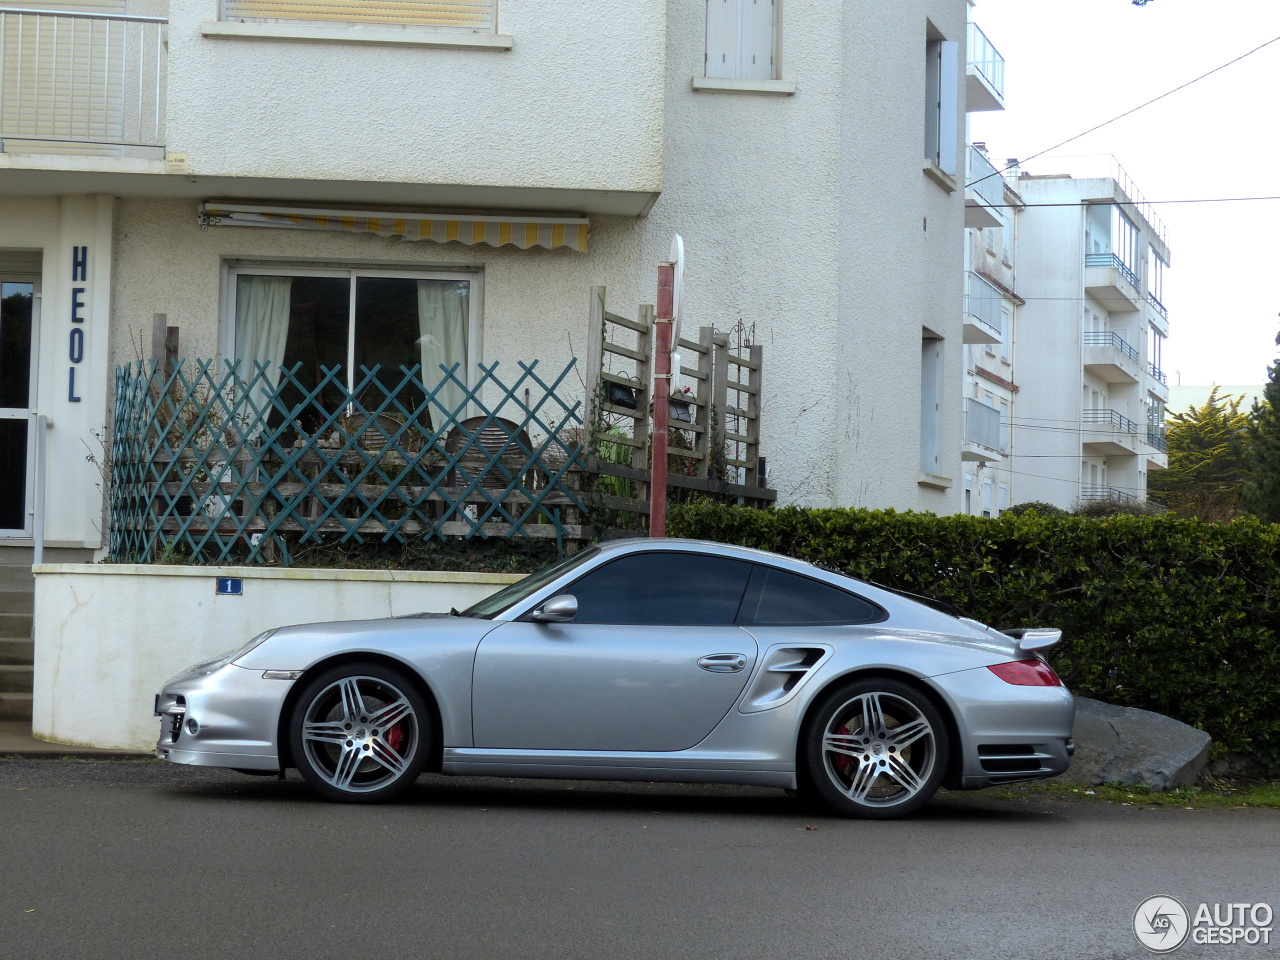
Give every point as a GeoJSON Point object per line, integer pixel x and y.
{"type": "Point", "coordinates": [522, 232]}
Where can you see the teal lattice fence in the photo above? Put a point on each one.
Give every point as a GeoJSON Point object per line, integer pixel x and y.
{"type": "Point", "coordinates": [215, 463]}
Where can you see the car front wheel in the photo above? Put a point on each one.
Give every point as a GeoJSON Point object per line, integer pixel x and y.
{"type": "Point", "coordinates": [360, 733]}
{"type": "Point", "coordinates": [875, 748]}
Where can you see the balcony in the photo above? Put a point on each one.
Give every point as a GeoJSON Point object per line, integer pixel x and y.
{"type": "Point", "coordinates": [983, 318]}
{"type": "Point", "coordinates": [1116, 495]}
{"type": "Point", "coordinates": [1108, 432]}
{"type": "Point", "coordinates": [1157, 306]}
{"type": "Point", "coordinates": [1111, 358]}
{"type": "Point", "coordinates": [984, 77]}
{"type": "Point", "coordinates": [1157, 374]}
{"type": "Point", "coordinates": [83, 84]}
{"type": "Point", "coordinates": [983, 436]}
{"type": "Point", "coordinates": [1112, 282]}
{"type": "Point", "coordinates": [983, 192]}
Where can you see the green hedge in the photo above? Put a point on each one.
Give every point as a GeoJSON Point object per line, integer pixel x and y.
{"type": "Point", "coordinates": [1171, 615]}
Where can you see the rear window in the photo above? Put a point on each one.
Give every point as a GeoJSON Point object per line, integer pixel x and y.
{"type": "Point", "coordinates": [778, 598]}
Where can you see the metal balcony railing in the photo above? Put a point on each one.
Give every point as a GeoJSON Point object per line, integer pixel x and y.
{"type": "Point", "coordinates": [1111, 260]}
{"type": "Point", "coordinates": [1156, 437]}
{"type": "Point", "coordinates": [1159, 307]}
{"type": "Point", "coordinates": [83, 78]}
{"type": "Point", "coordinates": [982, 302]}
{"type": "Point", "coordinates": [1112, 417]}
{"type": "Point", "coordinates": [982, 425]}
{"type": "Point", "coordinates": [1109, 338]}
{"type": "Point", "coordinates": [982, 177]}
{"type": "Point", "coordinates": [986, 59]}
{"type": "Point", "coordinates": [1094, 492]}
{"type": "Point", "coordinates": [1157, 373]}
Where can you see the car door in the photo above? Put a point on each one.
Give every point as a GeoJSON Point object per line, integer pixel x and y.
{"type": "Point", "coordinates": [651, 662]}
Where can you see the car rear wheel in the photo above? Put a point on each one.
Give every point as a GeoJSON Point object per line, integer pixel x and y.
{"type": "Point", "coordinates": [875, 748]}
{"type": "Point", "coordinates": [360, 733]}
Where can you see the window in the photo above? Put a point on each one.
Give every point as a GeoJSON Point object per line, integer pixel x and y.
{"type": "Point", "coordinates": [740, 39]}
{"type": "Point", "coordinates": [778, 598]}
{"type": "Point", "coordinates": [662, 588]}
{"type": "Point", "coordinates": [467, 16]}
{"type": "Point", "coordinates": [1155, 279]}
{"type": "Point", "coordinates": [310, 320]}
{"type": "Point", "coordinates": [942, 104]}
{"type": "Point", "coordinates": [930, 380]}
{"type": "Point", "coordinates": [1111, 238]}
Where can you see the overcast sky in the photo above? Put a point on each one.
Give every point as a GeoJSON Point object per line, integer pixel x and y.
{"type": "Point", "coordinates": [1071, 65]}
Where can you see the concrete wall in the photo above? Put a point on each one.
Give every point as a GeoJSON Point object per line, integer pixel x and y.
{"type": "Point", "coordinates": [576, 103]}
{"type": "Point", "coordinates": [108, 636]}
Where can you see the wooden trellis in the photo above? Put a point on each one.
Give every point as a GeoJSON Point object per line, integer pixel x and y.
{"type": "Point", "coordinates": [214, 463]}
{"type": "Point", "coordinates": [715, 422]}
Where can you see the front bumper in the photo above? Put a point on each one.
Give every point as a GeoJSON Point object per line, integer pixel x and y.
{"type": "Point", "coordinates": [227, 718]}
{"type": "Point", "coordinates": [1008, 732]}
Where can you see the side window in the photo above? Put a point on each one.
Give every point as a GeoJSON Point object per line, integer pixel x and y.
{"type": "Point", "coordinates": [779, 598]}
{"type": "Point", "coordinates": [662, 588]}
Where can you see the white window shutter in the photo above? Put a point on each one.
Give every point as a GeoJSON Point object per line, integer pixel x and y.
{"type": "Point", "coordinates": [932, 73]}
{"type": "Point", "coordinates": [948, 106]}
{"type": "Point", "coordinates": [757, 40]}
{"type": "Point", "coordinates": [724, 35]}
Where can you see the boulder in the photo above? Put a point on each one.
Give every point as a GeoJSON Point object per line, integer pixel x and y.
{"type": "Point", "coordinates": [1127, 745]}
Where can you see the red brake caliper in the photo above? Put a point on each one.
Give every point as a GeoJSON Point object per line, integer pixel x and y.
{"type": "Point", "coordinates": [842, 761]}
{"type": "Point", "coordinates": [395, 737]}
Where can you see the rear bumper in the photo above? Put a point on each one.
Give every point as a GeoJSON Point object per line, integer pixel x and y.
{"type": "Point", "coordinates": [1007, 733]}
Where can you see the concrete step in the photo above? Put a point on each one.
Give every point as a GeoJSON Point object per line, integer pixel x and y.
{"type": "Point", "coordinates": [16, 576]}
{"type": "Point", "coordinates": [15, 626]}
{"type": "Point", "coordinates": [15, 706]}
{"type": "Point", "coordinates": [15, 678]}
{"type": "Point", "coordinates": [17, 652]}
{"type": "Point", "coordinates": [16, 601]}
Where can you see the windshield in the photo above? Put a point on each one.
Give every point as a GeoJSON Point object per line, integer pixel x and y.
{"type": "Point", "coordinates": [490, 607]}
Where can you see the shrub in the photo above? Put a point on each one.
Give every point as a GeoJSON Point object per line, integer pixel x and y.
{"type": "Point", "coordinates": [1177, 616]}
{"type": "Point", "coordinates": [1039, 506]}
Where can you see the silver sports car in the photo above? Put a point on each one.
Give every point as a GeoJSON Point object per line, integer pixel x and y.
{"type": "Point", "coordinates": [670, 660]}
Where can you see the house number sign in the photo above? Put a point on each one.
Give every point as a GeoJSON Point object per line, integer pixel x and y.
{"type": "Point", "coordinates": [75, 347]}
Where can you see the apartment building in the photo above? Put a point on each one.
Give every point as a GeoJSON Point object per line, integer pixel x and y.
{"type": "Point", "coordinates": [1089, 412]}
{"type": "Point", "coordinates": [990, 312]}
{"type": "Point", "coordinates": [345, 183]}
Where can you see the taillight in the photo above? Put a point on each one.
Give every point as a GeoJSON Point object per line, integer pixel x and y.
{"type": "Point", "coordinates": [1027, 673]}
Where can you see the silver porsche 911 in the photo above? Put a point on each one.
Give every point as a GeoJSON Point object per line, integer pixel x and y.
{"type": "Point", "coordinates": [669, 660]}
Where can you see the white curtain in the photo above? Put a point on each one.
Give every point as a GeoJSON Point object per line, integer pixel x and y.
{"type": "Point", "coordinates": [262, 326]}
{"type": "Point", "coordinates": [442, 323]}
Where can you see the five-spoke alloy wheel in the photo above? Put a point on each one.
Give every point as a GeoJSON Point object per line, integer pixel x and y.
{"type": "Point", "coordinates": [875, 748]}
{"type": "Point", "coordinates": [360, 732]}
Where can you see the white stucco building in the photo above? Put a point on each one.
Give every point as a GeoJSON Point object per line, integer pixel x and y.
{"type": "Point", "coordinates": [1088, 413]}
{"type": "Point", "coordinates": [505, 160]}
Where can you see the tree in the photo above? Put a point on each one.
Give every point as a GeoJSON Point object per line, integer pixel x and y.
{"type": "Point", "coordinates": [1206, 460]}
{"type": "Point", "coordinates": [1262, 455]}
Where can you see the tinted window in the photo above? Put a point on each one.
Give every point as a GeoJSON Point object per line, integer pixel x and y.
{"type": "Point", "coordinates": [786, 598]}
{"type": "Point", "coordinates": [662, 588]}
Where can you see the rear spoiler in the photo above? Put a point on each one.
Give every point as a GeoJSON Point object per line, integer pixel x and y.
{"type": "Point", "coordinates": [1034, 639]}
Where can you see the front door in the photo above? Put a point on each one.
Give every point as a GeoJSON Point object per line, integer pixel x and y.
{"type": "Point", "coordinates": [17, 390]}
{"type": "Point", "coordinates": [652, 662]}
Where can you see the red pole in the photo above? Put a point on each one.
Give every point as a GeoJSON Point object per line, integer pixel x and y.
{"type": "Point", "coordinates": [661, 391]}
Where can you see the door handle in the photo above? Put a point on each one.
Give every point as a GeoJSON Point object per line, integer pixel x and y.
{"type": "Point", "coordinates": [723, 662]}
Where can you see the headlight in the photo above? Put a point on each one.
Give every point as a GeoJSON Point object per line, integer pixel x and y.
{"type": "Point", "coordinates": [253, 644]}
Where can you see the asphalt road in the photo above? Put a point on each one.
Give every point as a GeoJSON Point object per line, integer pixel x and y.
{"type": "Point", "coordinates": [133, 860]}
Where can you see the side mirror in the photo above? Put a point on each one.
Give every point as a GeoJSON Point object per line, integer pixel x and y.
{"type": "Point", "coordinates": [556, 610]}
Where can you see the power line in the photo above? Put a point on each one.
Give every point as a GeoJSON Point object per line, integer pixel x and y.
{"type": "Point", "coordinates": [1123, 203]}
{"type": "Point", "coordinates": [1167, 93]}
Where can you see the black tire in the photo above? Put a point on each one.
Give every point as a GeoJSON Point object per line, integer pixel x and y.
{"type": "Point", "coordinates": [858, 766]}
{"type": "Point", "coordinates": [361, 733]}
